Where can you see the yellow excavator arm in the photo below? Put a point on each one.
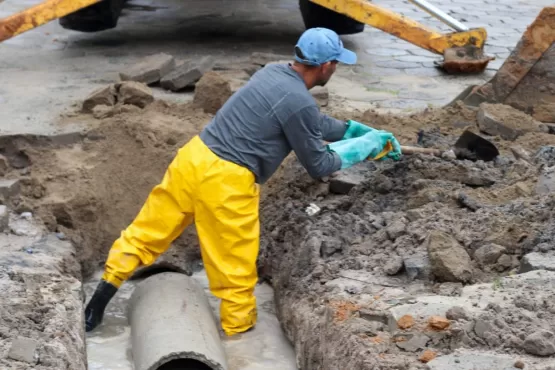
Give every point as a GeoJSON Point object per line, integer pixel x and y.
{"type": "Point", "coordinates": [462, 50]}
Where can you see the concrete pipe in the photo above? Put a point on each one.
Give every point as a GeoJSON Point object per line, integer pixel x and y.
{"type": "Point", "coordinates": [173, 327]}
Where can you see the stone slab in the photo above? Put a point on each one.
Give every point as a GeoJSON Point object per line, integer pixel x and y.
{"type": "Point", "coordinates": [187, 74]}
{"type": "Point", "coordinates": [537, 261]}
{"type": "Point", "coordinates": [149, 70]}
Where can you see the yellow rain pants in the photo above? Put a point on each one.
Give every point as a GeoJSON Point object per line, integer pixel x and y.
{"type": "Point", "coordinates": [222, 198]}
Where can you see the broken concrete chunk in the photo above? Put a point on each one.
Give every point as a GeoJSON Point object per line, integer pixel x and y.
{"type": "Point", "coordinates": [4, 218]}
{"type": "Point", "coordinates": [321, 95]}
{"type": "Point", "coordinates": [211, 92]}
{"type": "Point", "coordinates": [262, 59]}
{"type": "Point", "coordinates": [103, 96]}
{"type": "Point", "coordinates": [537, 261]}
{"type": "Point", "coordinates": [393, 266]}
{"type": "Point", "coordinates": [506, 122]}
{"type": "Point", "coordinates": [488, 254]}
{"type": "Point", "coordinates": [23, 349]}
{"type": "Point", "coordinates": [412, 342]}
{"type": "Point", "coordinates": [418, 267]}
{"type": "Point", "coordinates": [449, 260]}
{"type": "Point", "coordinates": [103, 111]}
{"type": "Point", "coordinates": [540, 343]}
{"type": "Point", "coordinates": [187, 74]}
{"type": "Point", "coordinates": [150, 70]}
{"type": "Point", "coordinates": [369, 328]}
{"type": "Point", "coordinates": [457, 313]}
{"type": "Point", "coordinates": [370, 315]}
{"type": "Point", "coordinates": [135, 93]}
{"type": "Point", "coordinates": [546, 181]}
{"type": "Point", "coordinates": [396, 229]}
{"type": "Point", "coordinates": [9, 188]}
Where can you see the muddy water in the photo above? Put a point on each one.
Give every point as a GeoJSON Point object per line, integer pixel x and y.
{"type": "Point", "coordinates": [265, 348]}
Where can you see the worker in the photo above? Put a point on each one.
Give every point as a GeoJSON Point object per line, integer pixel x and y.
{"type": "Point", "coordinates": [215, 178]}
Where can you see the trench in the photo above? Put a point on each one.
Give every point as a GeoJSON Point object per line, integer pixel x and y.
{"type": "Point", "coordinates": [109, 346]}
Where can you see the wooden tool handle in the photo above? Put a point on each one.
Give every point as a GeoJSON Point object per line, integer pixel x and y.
{"type": "Point", "coordinates": [416, 150]}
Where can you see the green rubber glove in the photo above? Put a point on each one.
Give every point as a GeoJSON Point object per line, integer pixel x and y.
{"type": "Point", "coordinates": [355, 129]}
{"type": "Point", "coordinates": [353, 151]}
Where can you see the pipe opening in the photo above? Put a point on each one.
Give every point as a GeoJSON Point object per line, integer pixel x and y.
{"type": "Point", "coordinates": [184, 364]}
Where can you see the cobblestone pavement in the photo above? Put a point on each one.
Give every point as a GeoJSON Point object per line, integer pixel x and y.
{"type": "Point", "coordinates": [45, 70]}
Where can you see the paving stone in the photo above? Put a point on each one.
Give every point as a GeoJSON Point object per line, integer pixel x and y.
{"type": "Point", "coordinates": [105, 95]}
{"type": "Point", "coordinates": [386, 52]}
{"type": "Point", "coordinates": [424, 72]}
{"type": "Point", "coordinates": [415, 58]}
{"type": "Point", "coordinates": [24, 350]}
{"type": "Point", "coordinates": [397, 64]}
{"type": "Point", "coordinates": [150, 70]}
{"type": "Point", "coordinates": [506, 122]}
{"type": "Point", "coordinates": [537, 261]}
{"type": "Point", "coordinates": [135, 93]}
{"type": "Point", "coordinates": [187, 74]}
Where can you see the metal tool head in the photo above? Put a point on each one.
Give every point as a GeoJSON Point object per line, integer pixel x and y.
{"type": "Point", "coordinates": [465, 59]}
{"type": "Point", "coordinates": [474, 147]}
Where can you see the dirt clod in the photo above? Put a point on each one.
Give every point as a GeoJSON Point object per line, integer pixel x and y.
{"type": "Point", "coordinates": [405, 322]}
{"type": "Point", "coordinates": [540, 343]}
{"type": "Point", "coordinates": [212, 91]}
{"type": "Point", "coordinates": [427, 356]}
{"type": "Point", "coordinates": [519, 364]}
{"type": "Point", "coordinates": [450, 261]}
{"type": "Point", "coordinates": [438, 323]}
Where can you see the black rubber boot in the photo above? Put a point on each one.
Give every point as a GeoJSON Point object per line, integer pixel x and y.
{"type": "Point", "coordinates": [95, 309]}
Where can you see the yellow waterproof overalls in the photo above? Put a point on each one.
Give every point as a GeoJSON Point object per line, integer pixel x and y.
{"type": "Point", "coordinates": [222, 198]}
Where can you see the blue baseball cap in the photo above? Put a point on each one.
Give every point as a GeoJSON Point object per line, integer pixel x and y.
{"type": "Point", "coordinates": [317, 46]}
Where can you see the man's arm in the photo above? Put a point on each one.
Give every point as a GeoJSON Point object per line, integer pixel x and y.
{"type": "Point", "coordinates": [305, 136]}
{"type": "Point", "coordinates": [332, 129]}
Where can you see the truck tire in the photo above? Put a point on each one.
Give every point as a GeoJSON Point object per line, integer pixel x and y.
{"type": "Point", "coordinates": [98, 17]}
{"type": "Point", "coordinates": [315, 15]}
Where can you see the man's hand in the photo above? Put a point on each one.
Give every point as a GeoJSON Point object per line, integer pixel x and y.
{"type": "Point", "coordinates": [356, 129]}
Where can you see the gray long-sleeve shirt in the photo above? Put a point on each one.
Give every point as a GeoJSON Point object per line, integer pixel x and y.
{"type": "Point", "coordinates": [271, 115]}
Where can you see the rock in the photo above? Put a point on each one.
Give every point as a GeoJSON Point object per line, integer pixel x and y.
{"type": "Point", "coordinates": [427, 356]}
{"type": "Point", "coordinates": [377, 316]}
{"type": "Point", "coordinates": [249, 68]}
{"type": "Point", "coordinates": [546, 181]}
{"type": "Point", "coordinates": [488, 254]}
{"type": "Point", "coordinates": [103, 111]}
{"type": "Point", "coordinates": [369, 328]}
{"type": "Point", "coordinates": [457, 313]}
{"type": "Point", "coordinates": [438, 323]}
{"type": "Point", "coordinates": [262, 59]}
{"type": "Point", "coordinates": [482, 327]}
{"type": "Point", "coordinates": [396, 229]}
{"type": "Point", "coordinates": [9, 188]}
{"type": "Point", "coordinates": [540, 343]}
{"type": "Point", "coordinates": [537, 261]}
{"type": "Point", "coordinates": [519, 364]}
{"type": "Point", "coordinates": [4, 165]}
{"type": "Point", "coordinates": [135, 93]}
{"type": "Point", "coordinates": [504, 262]}
{"type": "Point", "coordinates": [520, 153]}
{"type": "Point", "coordinates": [393, 266]}
{"type": "Point", "coordinates": [405, 322]}
{"type": "Point", "coordinates": [414, 342]}
{"type": "Point", "coordinates": [211, 92]}
{"type": "Point", "coordinates": [150, 70]}
{"type": "Point", "coordinates": [321, 95]}
{"type": "Point", "coordinates": [506, 122]}
{"type": "Point", "coordinates": [128, 108]}
{"type": "Point", "coordinates": [418, 267]}
{"type": "Point", "coordinates": [449, 260]}
{"type": "Point", "coordinates": [4, 218]}
{"type": "Point", "coordinates": [24, 350]}
{"type": "Point", "coordinates": [187, 74]}
{"type": "Point", "coordinates": [103, 96]}
{"type": "Point", "coordinates": [343, 182]}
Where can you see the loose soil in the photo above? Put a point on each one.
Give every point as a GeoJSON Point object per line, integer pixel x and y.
{"type": "Point", "coordinates": [328, 268]}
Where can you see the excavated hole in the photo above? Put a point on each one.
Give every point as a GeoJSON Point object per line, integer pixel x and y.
{"type": "Point", "coordinates": [328, 269]}
{"type": "Point", "coordinates": [187, 364]}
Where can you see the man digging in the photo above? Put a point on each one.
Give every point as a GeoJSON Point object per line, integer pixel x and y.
{"type": "Point", "coordinates": [214, 179]}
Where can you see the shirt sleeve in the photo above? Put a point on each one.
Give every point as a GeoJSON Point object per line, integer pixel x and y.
{"type": "Point", "coordinates": [304, 134]}
{"type": "Point", "coordinates": [332, 129]}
